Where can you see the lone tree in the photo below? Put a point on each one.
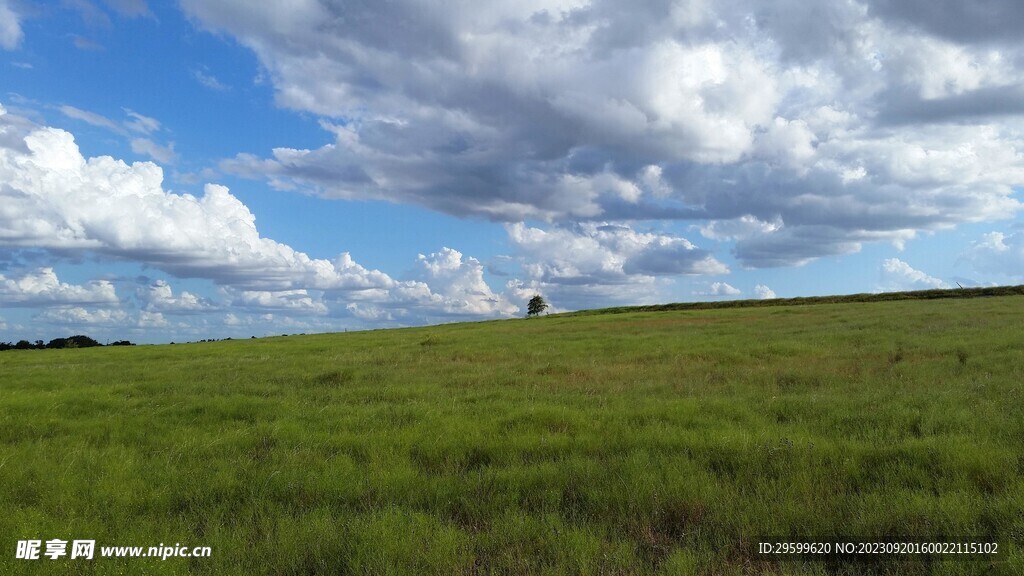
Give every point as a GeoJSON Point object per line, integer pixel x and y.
{"type": "Point", "coordinates": [536, 306]}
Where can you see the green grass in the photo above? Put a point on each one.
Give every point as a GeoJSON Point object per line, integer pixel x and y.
{"type": "Point", "coordinates": [668, 442]}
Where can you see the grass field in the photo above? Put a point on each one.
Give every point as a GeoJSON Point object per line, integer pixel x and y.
{"type": "Point", "coordinates": [668, 442]}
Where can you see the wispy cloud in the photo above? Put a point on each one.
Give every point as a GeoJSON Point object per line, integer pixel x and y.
{"type": "Point", "coordinates": [141, 123]}
{"type": "Point", "coordinates": [83, 43]}
{"type": "Point", "coordinates": [130, 8]}
{"type": "Point", "coordinates": [93, 118]}
{"type": "Point", "coordinates": [209, 80]}
{"type": "Point", "coordinates": [162, 154]}
{"type": "Point", "coordinates": [10, 26]}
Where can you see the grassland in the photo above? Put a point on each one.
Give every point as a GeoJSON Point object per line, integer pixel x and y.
{"type": "Point", "coordinates": [660, 442]}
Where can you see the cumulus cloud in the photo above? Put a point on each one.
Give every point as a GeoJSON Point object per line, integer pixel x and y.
{"type": "Point", "coordinates": [807, 130]}
{"type": "Point", "coordinates": [459, 282]}
{"type": "Point", "coordinates": [10, 26]}
{"type": "Point", "coordinates": [595, 264]}
{"type": "Point", "coordinates": [159, 297]}
{"type": "Point", "coordinates": [291, 301]}
{"type": "Point", "coordinates": [740, 228]}
{"type": "Point", "coordinates": [897, 275]}
{"type": "Point", "coordinates": [42, 288]}
{"type": "Point", "coordinates": [719, 289]}
{"type": "Point", "coordinates": [54, 198]}
{"type": "Point", "coordinates": [763, 292]}
{"type": "Point", "coordinates": [602, 253]}
{"type": "Point", "coordinates": [149, 319]}
{"type": "Point", "coordinates": [79, 316]}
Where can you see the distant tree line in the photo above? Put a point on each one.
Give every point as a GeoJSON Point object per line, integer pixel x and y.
{"type": "Point", "coordinates": [78, 341]}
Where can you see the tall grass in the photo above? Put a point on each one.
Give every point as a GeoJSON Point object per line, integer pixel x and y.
{"type": "Point", "coordinates": [668, 442]}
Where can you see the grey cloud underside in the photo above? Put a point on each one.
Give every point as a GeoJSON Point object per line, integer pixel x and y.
{"type": "Point", "coordinates": [845, 122]}
{"type": "Point", "coordinates": [903, 109]}
{"type": "Point", "coordinates": [975, 21]}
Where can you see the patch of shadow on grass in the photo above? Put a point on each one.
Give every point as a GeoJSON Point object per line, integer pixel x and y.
{"type": "Point", "coordinates": [335, 378]}
{"type": "Point", "coordinates": [896, 356]}
{"type": "Point", "coordinates": [790, 380]}
{"type": "Point", "coordinates": [554, 370]}
{"type": "Point", "coordinates": [671, 523]}
{"type": "Point", "coordinates": [962, 356]}
{"type": "Point", "coordinates": [262, 449]}
{"type": "Point", "coordinates": [541, 421]}
{"type": "Point", "coordinates": [444, 460]}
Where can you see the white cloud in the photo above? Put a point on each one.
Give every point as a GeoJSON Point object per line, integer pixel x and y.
{"type": "Point", "coordinates": [790, 143]}
{"type": "Point", "coordinates": [738, 228]}
{"type": "Point", "coordinates": [369, 312]}
{"type": "Point", "coordinates": [719, 289]}
{"type": "Point", "coordinates": [292, 301]}
{"type": "Point", "coordinates": [607, 253]}
{"type": "Point", "coordinates": [460, 283]}
{"type": "Point", "coordinates": [42, 288]}
{"type": "Point", "coordinates": [897, 275]}
{"type": "Point", "coordinates": [10, 26]}
{"type": "Point", "coordinates": [159, 297]}
{"type": "Point", "coordinates": [78, 316]}
{"type": "Point", "coordinates": [598, 264]}
{"type": "Point", "coordinates": [763, 292]}
{"type": "Point", "coordinates": [998, 253]}
{"type": "Point", "coordinates": [55, 198]}
{"type": "Point", "coordinates": [148, 319]}
{"type": "Point", "coordinates": [825, 127]}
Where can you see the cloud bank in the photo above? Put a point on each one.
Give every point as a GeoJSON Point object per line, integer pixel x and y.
{"type": "Point", "coordinates": [53, 198]}
{"type": "Point", "coordinates": [826, 126]}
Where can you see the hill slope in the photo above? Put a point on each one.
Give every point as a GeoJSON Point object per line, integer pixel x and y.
{"type": "Point", "coordinates": [669, 442]}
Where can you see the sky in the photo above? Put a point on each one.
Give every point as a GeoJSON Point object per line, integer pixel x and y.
{"type": "Point", "coordinates": [178, 171]}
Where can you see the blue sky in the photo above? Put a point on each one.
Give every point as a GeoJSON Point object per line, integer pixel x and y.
{"type": "Point", "coordinates": [202, 169]}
